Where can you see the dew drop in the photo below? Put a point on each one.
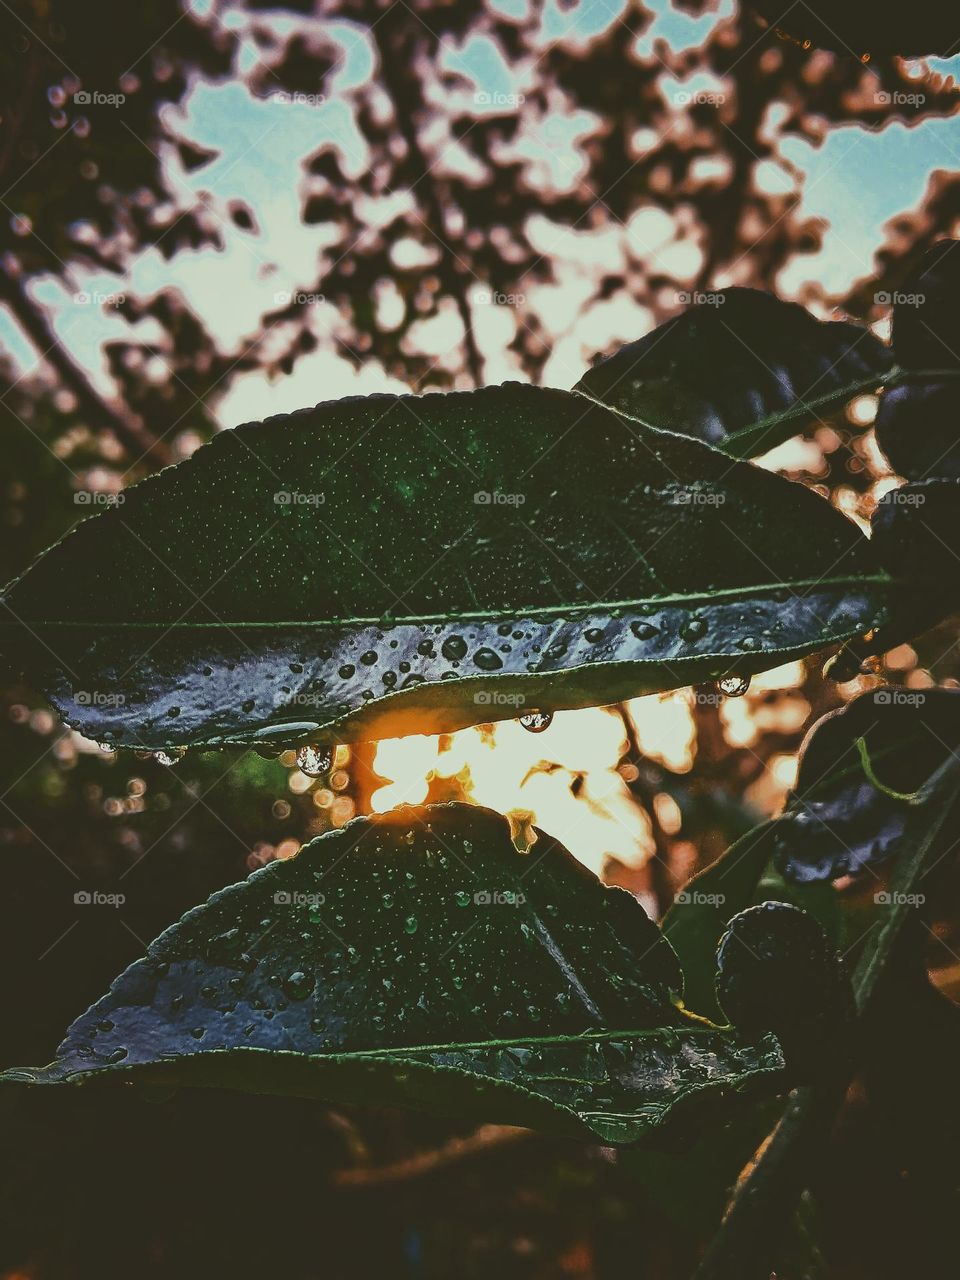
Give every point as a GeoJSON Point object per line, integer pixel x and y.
{"type": "Point", "coordinates": [487, 660]}
{"type": "Point", "coordinates": [171, 757]}
{"type": "Point", "coordinates": [454, 648]}
{"type": "Point", "coordinates": [536, 721]}
{"type": "Point", "coordinates": [733, 686]}
{"type": "Point", "coordinates": [644, 630]}
{"type": "Point", "coordinates": [314, 760]}
{"type": "Point", "coordinates": [411, 924]}
{"type": "Point", "coordinates": [593, 635]}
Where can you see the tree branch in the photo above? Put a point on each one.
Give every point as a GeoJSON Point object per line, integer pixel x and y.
{"type": "Point", "coordinates": [129, 429]}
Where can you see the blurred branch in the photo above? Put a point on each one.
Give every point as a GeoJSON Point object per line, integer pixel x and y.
{"type": "Point", "coordinates": [661, 877]}
{"type": "Point", "coordinates": [397, 53]}
{"type": "Point", "coordinates": [487, 1138]}
{"type": "Point", "coordinates": [129, 430]}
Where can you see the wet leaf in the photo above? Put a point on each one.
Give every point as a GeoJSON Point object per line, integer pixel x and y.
{"type": "Point", "coordinates": [741, 370]}
{"type": "Point", "coordinates": [859, 769]}
{"type": "Point", "coordinates": [416, 958]}
{"type": "Point", "coordinates": [391, 565]}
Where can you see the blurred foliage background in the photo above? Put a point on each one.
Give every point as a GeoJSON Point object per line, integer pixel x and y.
{"type": "Point", "coordinates": [213, 212]}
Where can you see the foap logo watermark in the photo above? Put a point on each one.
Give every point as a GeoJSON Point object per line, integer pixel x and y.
{"type": "Point", "coordinates": [97, 698]}
{"type": "Point", "coordinates": [492, 698]}
{"type": "Point", "coordinates": [483, 99]}
{"type": "Point", "coordinates": [699, 299]}
{"type": "Point", "coordinates": [708, 697]}
{"type": "Point", "coordinates": [498, 898]}
{"type": "Point", "coordinates": [693, 898]}
{"type": "Point", "coordinates": [94, 98]}
{"type": "Point", "coordinates": [899, 99]}
{"type": "Point", "coordinates": [306, 700]}
{"type": "Point", "coordinates": [297, 297]}
{"type": "Point", "coordinates": [898, 299]}
{"type": "Point", "coordinates": [905, 498]}
{"type": "Point", "coordinates": [295, 899]}
{"type": "Point", "coordinates": [697, 498]}
{"type": "Point", "coordinates": [484, 498]}
{"type": "Point", "coordinates": [288, 498]}
{"type": "Point", "coordinates": [899, 698]}
{"type": "Point", "coordinates": [284, 99]}
{"type": "Point", "coordinates": [698, 98]}
{"type": "Point", "coordinates": [893, 898]}
{"type": "Point", "coordinates": [490, 298]}
{"type": "Point", "coordinates": [96, 898]}
{"type": "Point", "coordinates": [94, 498]}
{"type": "Point", "coordinates": [85, 299]}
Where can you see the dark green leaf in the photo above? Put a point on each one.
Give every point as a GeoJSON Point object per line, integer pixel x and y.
{"type": "Point", "coordinates": [777, 970]}
{"type": "Point", "coordinates": [700, 913]}
{"type": "Point", "coordinates": [741, 370]}
{"type": "Point", "coordinates": [918, 423]}
{"type": "Point", "coordinates": [918, 428]}
{"type": "Point", "coordinates": [916, 534]}
{"type": "Point", "coordinates": [203, 610]}
{"type": "Point", "coordinates": [926, 311]}
{"type": "Point", "coordinates": [859, 768]}
{"type": "Point", "coordinates": [418, 958]}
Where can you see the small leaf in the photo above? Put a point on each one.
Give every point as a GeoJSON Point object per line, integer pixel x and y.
{"type": "Point", "coordinates": [918, 423]}
{"type": "Point", "coordinates": [918, 429]}
{"type": "Point", "coordinates": [418, 958]}
{"type": "Point", "coordinates": [701, 911]}
{"type": "Point", "coordinates": [916, 535]}
{"type": "Point", "coordinates": [926, 311]}
{"type": "Point", "coordinates": [777, 970]}
{"type": "Point", "coordinates": [842, 816]}
{"type": "Point", "coordinates": [393, 565]}
{"type": "Point", "coordinates": [742, 370]}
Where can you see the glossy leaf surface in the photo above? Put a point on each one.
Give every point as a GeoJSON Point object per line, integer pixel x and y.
{"type": "Point", "coordinates": [741, 370]}
{"type": "Point", "coordinates": [417, 958]}
{"type": "Point", "coordinates": [844, 815]}
{"type": "Point", "coordinates": [391, 565]}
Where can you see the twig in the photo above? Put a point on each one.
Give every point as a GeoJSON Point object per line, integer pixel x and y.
{"type": "Point", "coordinates": [33, 319]}
{"type": "Point", "coordinates": [487, 1138]}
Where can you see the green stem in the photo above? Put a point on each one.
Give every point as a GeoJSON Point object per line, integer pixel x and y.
{"type": "Point", "coordinates": [910, 796]}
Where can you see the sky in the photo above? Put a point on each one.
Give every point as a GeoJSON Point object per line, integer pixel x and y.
{"type": "Point", "coordinates": [263, 141]}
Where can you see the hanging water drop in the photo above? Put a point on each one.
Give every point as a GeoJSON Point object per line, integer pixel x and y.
{"type": "Point", "coordinates": [536, 721]}
{"type": "Point", "coordinates": [733, 686]}
{"type": "Point", "coordinates": [171, 757]}
{"type": "Point", "coordinates": [314, 760]}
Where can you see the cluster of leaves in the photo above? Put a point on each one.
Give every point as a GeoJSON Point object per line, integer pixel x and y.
{"type": "Point", "coordinates": [611, 1037]}
{"type": "Point", "coordinates": [418, 956]}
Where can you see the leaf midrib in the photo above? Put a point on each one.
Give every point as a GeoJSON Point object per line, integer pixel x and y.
{"type": "Point", "coordinates": [476, 615]}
